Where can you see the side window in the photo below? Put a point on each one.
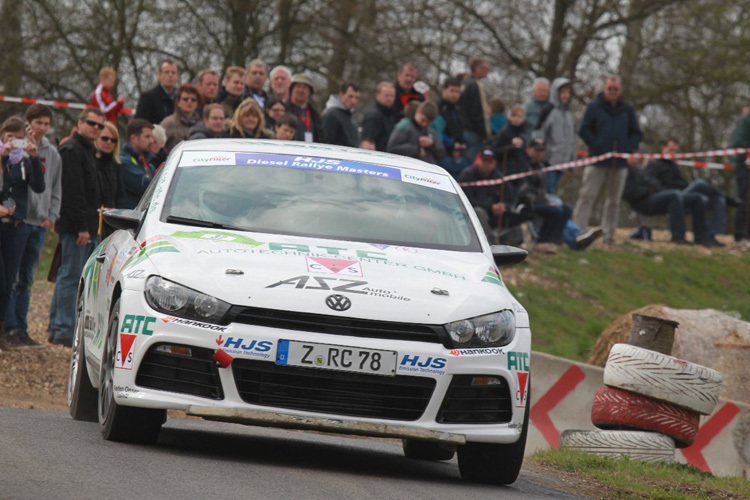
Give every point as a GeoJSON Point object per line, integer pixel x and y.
{"type": "Point", "coordinates": [146, 198]}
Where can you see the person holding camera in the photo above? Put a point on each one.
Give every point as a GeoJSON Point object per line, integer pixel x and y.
{"type": "Point", "coordinates": [21, 170]}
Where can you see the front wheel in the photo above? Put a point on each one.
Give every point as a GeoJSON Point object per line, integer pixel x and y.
{"type": "Point", "coordinates": [122, 423]}
{"type": "Point", "coordinates": [81, 394]}
{"type": "Point", "coordinates": [493, 463]}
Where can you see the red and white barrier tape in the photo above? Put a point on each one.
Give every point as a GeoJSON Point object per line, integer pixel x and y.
{"type": "Point", "coordinates": [56, 104]}
{"type": "Point", "coordinates": [638, 156]}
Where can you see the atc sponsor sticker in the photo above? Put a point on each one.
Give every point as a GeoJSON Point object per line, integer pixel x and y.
{"type": "Point", "coordinates": [341, 267]}
{"type": "Point", "coordinates": [125, 348]}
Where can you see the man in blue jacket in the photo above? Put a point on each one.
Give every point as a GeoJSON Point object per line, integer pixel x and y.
{"type": "Point", "coordinates": [135, 169]}
{"type": "Point", "coordinates": [609, 124]}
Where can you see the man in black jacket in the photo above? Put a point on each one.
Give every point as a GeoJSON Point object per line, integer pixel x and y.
{"type": "Point", "coordinates": [475, 108]}
{"type": "Point", "coordinates": [338, 121]}
{"type": "Point", "coordinates": [405, 91]}
{"type": "Point", "coordinates": [646, 195]}
{"type": "Point", "coordinates": [667, 172]}
{"type": "Point", "coordinates": [158, 103]}
{"type": "Point", "coordinates": [380, 120]}
{"type": "Point", "coordinates": [78, 222]}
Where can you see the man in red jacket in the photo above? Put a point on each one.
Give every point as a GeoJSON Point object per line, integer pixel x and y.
{"type": "Point", "coordinates": [102, 96]}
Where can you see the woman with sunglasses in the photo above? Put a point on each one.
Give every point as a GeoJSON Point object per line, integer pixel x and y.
{"type": "Point", "coordinates": [177, 125]}
{"type": "Point", "coordinates": [110, 180]}
{"type": "Point", "coordinates": [21, 170]}
{"type": "Point", "coordinates": [248, 122]}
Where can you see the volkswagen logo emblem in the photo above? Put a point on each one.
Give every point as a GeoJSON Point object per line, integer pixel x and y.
{"type": "Point", "coordinates": [338, 302]}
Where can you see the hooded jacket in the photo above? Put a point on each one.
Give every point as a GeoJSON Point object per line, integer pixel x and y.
{"type": "Point", "coordinates": [378, 124]}
{"type": "Point", "coordinates": [606, 128]}
{"type": "Point", "coordinates": [338, 124]}
{"type": "Point", "coordinates": [46, 205]}
{"type": "Point", "coordinates": [405, 141]}
{"type": "Point", "coordinates": [557, 127]}
{"type": "Point", "coordinates": [81, 194]}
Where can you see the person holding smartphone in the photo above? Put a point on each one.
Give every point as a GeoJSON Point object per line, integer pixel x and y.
{"type": "Point", "coordinates": [21, 170]}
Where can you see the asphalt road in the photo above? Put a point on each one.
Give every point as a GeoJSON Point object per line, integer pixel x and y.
{"type": "Point", "coordinates": [46, 454]}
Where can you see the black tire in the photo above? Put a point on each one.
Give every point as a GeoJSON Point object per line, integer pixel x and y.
{"type": "Point", "coordinates": [492, 463]}
{"type": "Point", "coordinates": [426, 450]}
{"type": "Point", "coordinates": [122, 423]}
{"type": "Point", "coordinates": [82, 396]}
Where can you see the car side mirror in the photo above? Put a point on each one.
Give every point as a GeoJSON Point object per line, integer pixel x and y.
{"type": "Point", "coordinates": [507, 256]}
{"type": "Point", "coordinates": [123, 218]}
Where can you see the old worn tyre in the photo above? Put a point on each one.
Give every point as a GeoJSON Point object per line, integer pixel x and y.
{"type": "Point", "coordinates": [122, 423]}
{"type": "Point", "coordinates": [426, 450]}
{"type": "Point", "coordinates": [623, 410]}
{"type": "Point", "coordinates": [493, 463]}
{"type": "Point", "coordinates": [637, 445]}
{"type": "Point", "coordinates": [663, 377]}
{"type": "Point", "coordinates": [81, 394]}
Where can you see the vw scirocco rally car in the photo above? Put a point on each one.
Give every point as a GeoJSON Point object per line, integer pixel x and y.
{"type": "Point", "coordinates": [306, 286]}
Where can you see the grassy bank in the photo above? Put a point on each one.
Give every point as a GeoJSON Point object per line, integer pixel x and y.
{"type": "Point", "coordinates": [629, 480]}
{"type": "Point", "coordinates": [572, 296]}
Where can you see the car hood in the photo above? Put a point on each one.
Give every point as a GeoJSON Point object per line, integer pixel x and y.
{"type": "Point", "coordinates": [382, 282]}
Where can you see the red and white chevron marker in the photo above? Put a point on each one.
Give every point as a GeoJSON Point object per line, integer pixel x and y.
{"type": "Point", "coordinates": [540, 411]}
{"type": "Point", "coordinates": [707, 432]}
{"type": "Point", "coordinates": [55, 104]}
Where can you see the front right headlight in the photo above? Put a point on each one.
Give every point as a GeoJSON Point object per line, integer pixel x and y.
{"type": "Point", "coordinates": [174, 299]}
{"type": "Point", "coordinates": [496, 329]}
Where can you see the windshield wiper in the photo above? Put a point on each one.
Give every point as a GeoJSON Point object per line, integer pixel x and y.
{"type": "Point", "coordinates": [175, 219]}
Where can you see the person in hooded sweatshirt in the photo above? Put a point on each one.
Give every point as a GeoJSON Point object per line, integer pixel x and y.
{"type": "Point", "coordinates": [413, 137]}
{"type": "Point", "coordinates": [556, 128]}
{"type": "Point", "coordinates": [338, 122]}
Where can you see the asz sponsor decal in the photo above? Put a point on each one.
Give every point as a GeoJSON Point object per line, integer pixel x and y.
{"type": "Point", "coordinates": [422, 364]}
{"type": "Point", "coordinates": [240, 346]}
{"type": "Point", "coordinates": [338, 285]}
{"type": "Point", "coordinates": [136, 324]}
{"type": "Point", "coordinates": [477, 351]}
{"type": "Point", "coordinates": [198, 324]}
{"type": "Point", "coordinates": [124, 355]}
{"type": "Point", "coordinates": [341, 267]}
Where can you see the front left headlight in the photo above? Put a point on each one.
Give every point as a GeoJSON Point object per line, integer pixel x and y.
{"type": "Point", "coordinates": [174, 299]}
{"type": "Point", "coordinates": [496, 329]}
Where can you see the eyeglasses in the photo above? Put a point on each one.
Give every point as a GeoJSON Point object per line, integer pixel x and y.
{"type": "Point", "coordinates": [613, 88]}
{"type": "Point", "coordinates": [108, 139]}
{"type": "Point", "coordinates": [92, 123]}
{"type": "Point", "coordinates": [188, 98]}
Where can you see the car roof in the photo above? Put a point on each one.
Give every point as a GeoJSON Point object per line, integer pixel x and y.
{"type": "Point", "coordinates": [306, 149]}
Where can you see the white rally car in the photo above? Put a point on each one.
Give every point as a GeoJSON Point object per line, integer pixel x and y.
{"type": "Point", "coordinates": [311, 287]}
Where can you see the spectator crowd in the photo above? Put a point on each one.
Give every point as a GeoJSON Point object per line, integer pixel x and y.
{"type": "Point", "coordinates": [464, 130]}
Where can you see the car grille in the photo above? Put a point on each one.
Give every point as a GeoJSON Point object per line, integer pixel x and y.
{"type": "Point", "coordinates": [465, 403]}
{"type": "Point", "coordinates": [195, 374]}
{"type": "Point", "coordinates": [332, 392]}
{"type": "Point", "coordinates": [335, 325]}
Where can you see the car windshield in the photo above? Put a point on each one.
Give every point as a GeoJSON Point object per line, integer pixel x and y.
{"type": "Point", "coordinates": [353, 202]}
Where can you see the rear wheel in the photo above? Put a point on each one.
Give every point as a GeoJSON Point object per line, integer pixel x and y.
{"type": "Point", "coordinates": [494, 463]}
{"type": "Point", "coordinates": [122, 423]}
{"type": "Point", "coordinates": [426, 450]}
{"type": "Point", "coordinates": [81, 394]}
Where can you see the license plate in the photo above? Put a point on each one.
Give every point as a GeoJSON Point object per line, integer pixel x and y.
{"type": "Point", "coordinates": [336, 357]}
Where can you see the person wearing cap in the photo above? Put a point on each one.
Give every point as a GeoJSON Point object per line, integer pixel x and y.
{"type": "Point", "coordinates": [490, 202]}
{"type": "Point", "coordinates": [310, 126]}
{"type": "Point", "coordinates": [556, 227]}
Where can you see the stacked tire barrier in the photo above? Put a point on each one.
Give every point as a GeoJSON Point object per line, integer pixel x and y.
{"type": "Point", "coordinates": [651, 402]}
